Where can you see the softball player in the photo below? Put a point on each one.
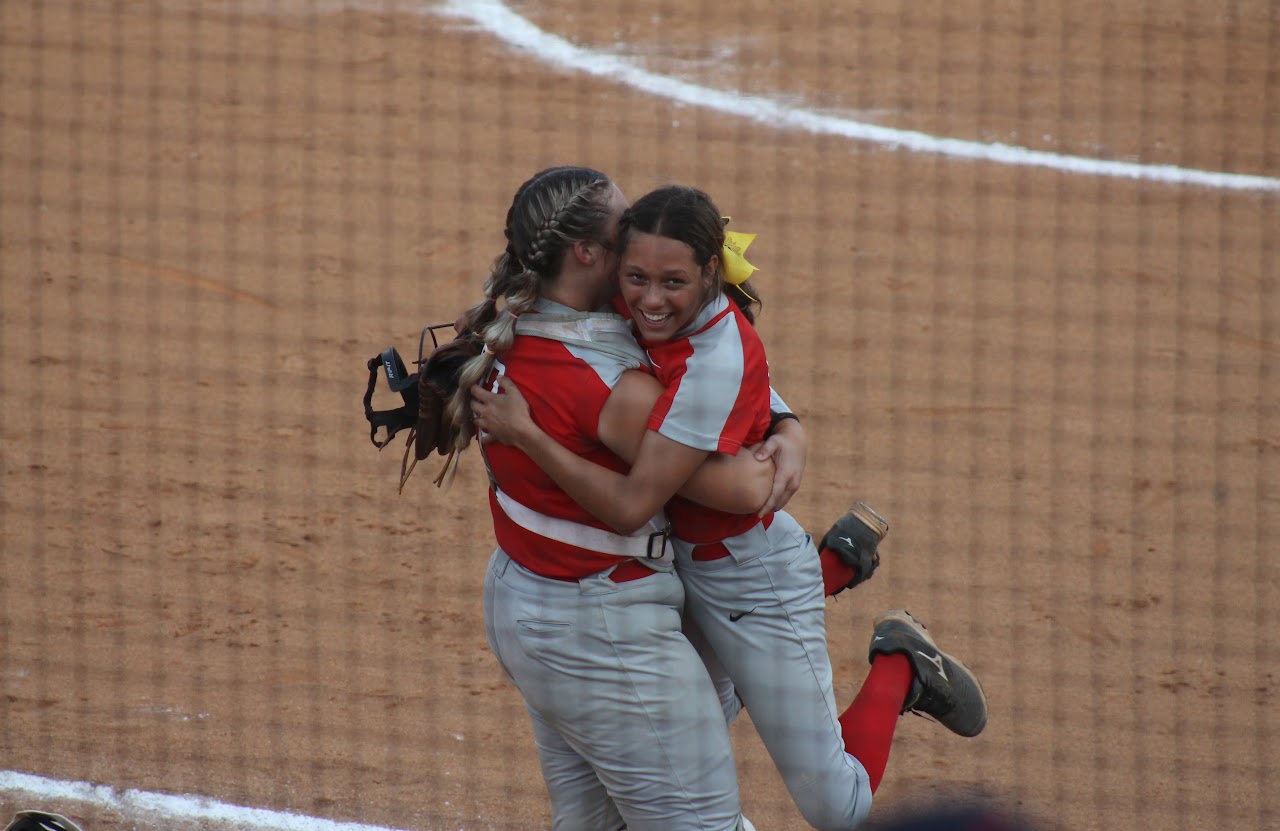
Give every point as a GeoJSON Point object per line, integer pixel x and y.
{"type": "Point", "coordinates": [754, 584]}
{"type": "Point", "coordinates": [587, 622]}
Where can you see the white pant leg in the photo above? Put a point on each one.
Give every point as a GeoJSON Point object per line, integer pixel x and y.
{"type": "Point", "coordinates": [762, 610]}
{"type": "Point", "coordinates": [606, 666]}
{"type": "Point", "coordinates": [725, 691]}
{"type": "Point", "coordinates": [579, 800]}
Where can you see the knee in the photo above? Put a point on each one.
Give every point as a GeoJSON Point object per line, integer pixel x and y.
{"type": "Point", "coordinates": [836, 814]}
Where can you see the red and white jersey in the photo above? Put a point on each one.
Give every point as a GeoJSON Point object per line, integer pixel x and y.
{"type": "Point", "coordinates": [716, 398]}
{"type": "Point", "coordinates": [566, 380]}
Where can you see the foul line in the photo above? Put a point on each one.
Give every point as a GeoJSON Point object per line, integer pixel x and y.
{"type": "Point", "coordinates": [494, 17]}
{"type": "Point", "coordinates": [57, 793]}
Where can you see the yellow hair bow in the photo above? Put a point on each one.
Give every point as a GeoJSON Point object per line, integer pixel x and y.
{"type": "Point", "coordinates": [733, 257]}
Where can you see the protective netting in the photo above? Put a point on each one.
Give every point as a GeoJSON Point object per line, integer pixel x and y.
{"type": "Point", "coordinates": [1019, 272]}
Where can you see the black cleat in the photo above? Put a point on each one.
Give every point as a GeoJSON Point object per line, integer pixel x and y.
{"type": "Point", "coordinates": [854, 538]}
{"type": "Point", "coordinates": [944, 688]}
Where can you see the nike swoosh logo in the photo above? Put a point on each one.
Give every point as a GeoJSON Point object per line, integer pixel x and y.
{"type": "Point", "coordinates": [734, 617]}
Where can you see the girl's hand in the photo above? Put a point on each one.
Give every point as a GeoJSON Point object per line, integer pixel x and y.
{"type": "Point", "coordinates": [788, 449]}
{"type": "Point", "coordinates": [501, 416]}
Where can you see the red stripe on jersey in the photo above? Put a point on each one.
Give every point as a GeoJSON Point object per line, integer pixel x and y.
{"type": "Point", "coordinates": [716, 398]}
{"type": "Point", "coordinates": [750, 414]}
{"type": "Point", "coordinates": [717, 385]}
{"type": "Point", "coordinates": [674, 356]}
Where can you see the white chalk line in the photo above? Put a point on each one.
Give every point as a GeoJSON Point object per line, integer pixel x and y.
{"type": "Point", "coordinates": [55, 795]}
{"type": "Point", "coordinates": [495, 18]}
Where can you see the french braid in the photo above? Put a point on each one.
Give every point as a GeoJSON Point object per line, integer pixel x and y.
{"type": "Point", "coordinates": [549, 213]}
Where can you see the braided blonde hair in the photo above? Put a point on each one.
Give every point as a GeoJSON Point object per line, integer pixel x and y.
{"type": "Point", "coordinates": [549, 213]}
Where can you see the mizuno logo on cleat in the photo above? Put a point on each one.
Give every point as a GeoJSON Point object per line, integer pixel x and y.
{"type": "Point", "coordinates": [846, 541]}
{"type": "Point", "coordinates": [936, 660]}
{"type": "Point", "coordinates": [734, 617]}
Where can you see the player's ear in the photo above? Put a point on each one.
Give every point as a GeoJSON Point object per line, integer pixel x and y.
{"type": "Point", "coordinates": [711, 276]}
{"type": "Point", "coordinates": [585, 252]}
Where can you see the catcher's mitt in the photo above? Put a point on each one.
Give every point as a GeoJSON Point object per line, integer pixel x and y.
{"type": "Point", "coordinates": [426, 394]}
{"type": "Point", "coordinates": [854, 538]}
{"type": "Point", "coordinates": [398, 381]}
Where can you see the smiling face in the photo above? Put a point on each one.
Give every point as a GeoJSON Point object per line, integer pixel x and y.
{"type": "Point", "coordinates": [662, 285]}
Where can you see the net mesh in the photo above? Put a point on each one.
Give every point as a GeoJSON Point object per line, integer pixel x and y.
{"type": "Point", "coordinates": [1019, 273]}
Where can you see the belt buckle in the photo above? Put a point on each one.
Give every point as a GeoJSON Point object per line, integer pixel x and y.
{"type": "Point", "coordinates": [662, 547]}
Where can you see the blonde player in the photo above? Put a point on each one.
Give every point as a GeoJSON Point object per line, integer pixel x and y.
{"type": "Point", "coordinates": [585, 621]}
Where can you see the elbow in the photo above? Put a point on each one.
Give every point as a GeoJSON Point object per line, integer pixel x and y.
{"type": "Point", "coordinates": [752, 494]}
{"type": "Point", "coordinates": [760, 497]}
{"type": "Point", "coordinates": [631, 522]}
{"type": "Point", "coordinates": [738, 500]}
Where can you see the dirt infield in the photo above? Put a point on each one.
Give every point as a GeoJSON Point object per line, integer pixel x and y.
{"type": "Point", "coordinates": [1060, 387]}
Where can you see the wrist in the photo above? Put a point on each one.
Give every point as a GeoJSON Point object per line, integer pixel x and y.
{"type": "Point", "coordinates": [776, 418]}
{"type": "Point", "coordinates": [530, 439]}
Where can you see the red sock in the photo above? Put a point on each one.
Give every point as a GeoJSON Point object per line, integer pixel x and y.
{"type": "Point", "coordinates": [835, 574]}
{"type": "Point", "coordinates": [868, 724]}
